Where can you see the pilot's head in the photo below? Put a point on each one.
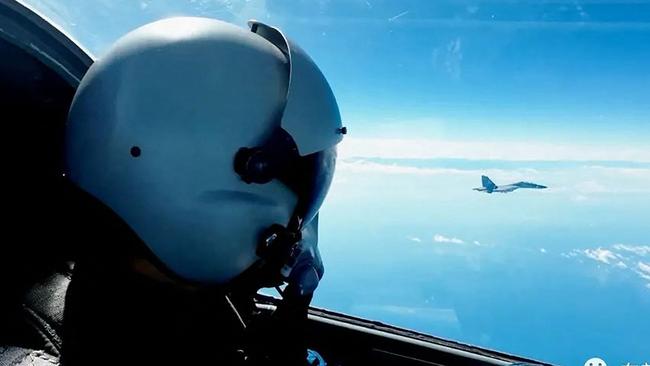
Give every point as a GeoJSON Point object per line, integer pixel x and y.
{"type": "Point", "coordinates": [208, 140]}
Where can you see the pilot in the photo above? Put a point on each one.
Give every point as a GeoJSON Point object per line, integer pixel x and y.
{"type": "Point", "coordinates": [206, 151]}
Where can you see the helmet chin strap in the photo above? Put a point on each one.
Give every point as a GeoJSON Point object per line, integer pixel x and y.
{"type": "Point", "coordinates": [278, 250]}
{"type": "Point", "coordinates": [281, 338]}
{"type": "Point", "coordinates": [286, 258]}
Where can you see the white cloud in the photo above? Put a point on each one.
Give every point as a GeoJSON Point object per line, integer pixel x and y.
{"type": "Point", "coordinates": [454, 58]}
{"type": "Point", "coordinates": [414, 239]}
{"type": "Point", "coordinates": [582, 183]}
{"type": "Point", "coordinates": [361, 166]}
{"type": "Point", "coordinates": [640, 250]}
{"type": "Point", "coordinates": [345, 168]}
{"type": "Point", "coordinates": [393, 148]}
{"type": "Point", "coordinates": [591, 186]}
{"type": "Point", "coordinates": [542, 250]}
{"type": "Point", "coordinates": [580, 10]}
{"type": "Point", "coordinates": [571, 254]}
{"type": "Point", "coordinates": [644, 271]}
{"type": "Point", "coordinates": [443, 239]}
{"type": "Point", "coordinates": [609, 257]}
{"type": "Point", "coordinates": [643, 275]}
{"type": "Point", "coordinates": [579, 198]}
{"type": "Point", "coordinates": [476, 242]}
{"type": "Point", "coordinates": [448, 58]}
{"type": "Point", "coordinates": [601, 255]}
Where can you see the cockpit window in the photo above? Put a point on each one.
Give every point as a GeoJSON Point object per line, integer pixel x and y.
{"type": "Point", "coordinates": [437, 94]}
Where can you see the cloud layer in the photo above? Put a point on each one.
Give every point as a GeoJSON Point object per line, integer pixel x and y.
{"type": "Point", "coordinates": [449, 240]}
{"type": "Point", "coordinates": [515, 151]}
{"type": "Point", "coordinates": [622, 256]}
{"type": "Point", "coordinates": [640, 250]}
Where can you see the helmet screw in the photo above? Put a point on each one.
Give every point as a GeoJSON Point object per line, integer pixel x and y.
{"type": "Point", "coordinates": [342, 130]}
{"type": "Point", "coordinates": [135, 151]}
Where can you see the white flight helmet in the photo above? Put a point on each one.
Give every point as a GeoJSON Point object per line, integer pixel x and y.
{"type": "Point", "coordinates": [201, 136]}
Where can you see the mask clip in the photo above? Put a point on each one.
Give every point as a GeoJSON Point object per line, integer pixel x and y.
{"type": "Point", "coordinates": [278, 249]}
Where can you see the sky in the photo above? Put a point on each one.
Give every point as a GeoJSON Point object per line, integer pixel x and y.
{"type": "Point", "coordinates": [436, 94]}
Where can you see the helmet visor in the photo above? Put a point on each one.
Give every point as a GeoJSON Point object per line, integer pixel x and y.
{"type": "Point", "coordinates": [310, 177]}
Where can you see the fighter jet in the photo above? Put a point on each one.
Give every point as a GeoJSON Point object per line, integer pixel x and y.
{"type": "Point", "coordinates": [489, 186]}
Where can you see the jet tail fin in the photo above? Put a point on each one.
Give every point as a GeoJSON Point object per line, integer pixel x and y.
{"type": "Point", "coordinates": [487, 183]}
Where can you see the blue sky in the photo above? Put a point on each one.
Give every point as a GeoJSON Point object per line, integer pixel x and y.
{"type": "Point", "coordinates": [501, 70]}
{"type": "Point", "coordinates": [534, 69]}
{"type": "Point", "coordinates": [436, 93]}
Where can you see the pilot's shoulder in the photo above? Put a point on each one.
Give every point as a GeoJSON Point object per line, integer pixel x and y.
{"type": "Point", "coordinates": [36, 323]}
{"type": "Point", "coordinates": [18, 356]}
